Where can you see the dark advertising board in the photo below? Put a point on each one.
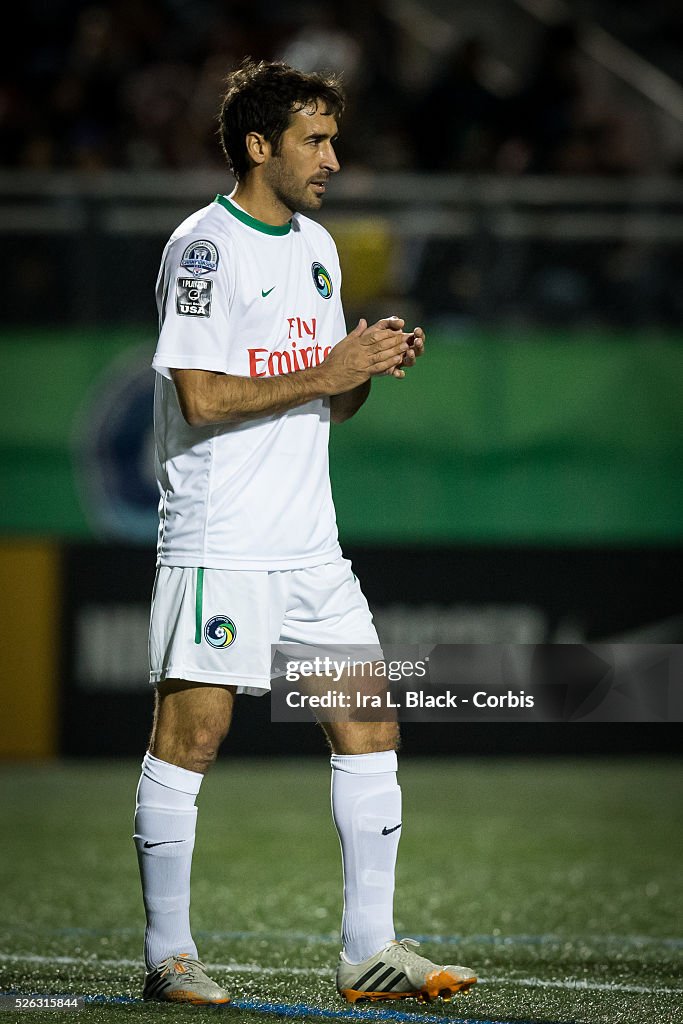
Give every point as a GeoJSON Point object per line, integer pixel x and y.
{"type": "Point", "coordinates": [425, 596]}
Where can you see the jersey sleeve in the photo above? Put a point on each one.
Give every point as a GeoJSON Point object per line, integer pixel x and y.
{"type": "Point", "coordinates": [194, 288]}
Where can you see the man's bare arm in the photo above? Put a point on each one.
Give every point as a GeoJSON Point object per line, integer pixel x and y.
{"type": "Point", "coordinates": [347, 404]}
{"type": "Point", "coordinates": [208, 398]}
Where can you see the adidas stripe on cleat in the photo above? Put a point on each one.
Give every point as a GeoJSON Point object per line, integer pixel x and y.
{"type": "Point", "coordinates": [398, 972]}
{"type": "Point", "coordinates": [180, 979]}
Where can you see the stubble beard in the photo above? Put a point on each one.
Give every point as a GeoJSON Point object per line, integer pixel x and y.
{"type": "Point", "coordinates": [297, 198]}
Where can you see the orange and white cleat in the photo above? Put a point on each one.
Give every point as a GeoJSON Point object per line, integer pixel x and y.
{"type": "Point", "coordinates": [180, 979]}
{"type": "Point", "coordinates": [397, 972]}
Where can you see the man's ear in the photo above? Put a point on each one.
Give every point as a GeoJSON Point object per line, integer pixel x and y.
{"type": "Point", "coordinates": [257, 147]}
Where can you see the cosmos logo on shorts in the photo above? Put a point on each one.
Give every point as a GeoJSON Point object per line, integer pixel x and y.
{"type": "Point", "coordinates": [200, 257]}
{"type": "Point", "coordinates": [321, 280]}
{"type": "Point", "coordinates": [220, 631]}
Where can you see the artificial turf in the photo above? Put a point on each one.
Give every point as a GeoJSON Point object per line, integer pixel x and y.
{"type": "Point", "coordinates": [558, 880]}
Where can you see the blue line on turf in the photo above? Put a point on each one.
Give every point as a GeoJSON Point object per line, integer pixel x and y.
{"type": "Point", "coordinates": [112, 1000]}
{"type": "Point", "coordinates": [304, 1010]}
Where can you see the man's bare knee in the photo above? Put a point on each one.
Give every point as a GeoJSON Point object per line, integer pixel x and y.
{"type": "Point", "coordinates": [362, 737]}
{"type": "Point", "coordinates": [190, 723]}
{"type": "Point", "coordinates": [200, 757]}
{"type": "Point", "coordinates": [200, 749]}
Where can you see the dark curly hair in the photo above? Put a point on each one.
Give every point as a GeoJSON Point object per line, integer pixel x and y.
{"type": "Point", "coordinates": [261, 97]}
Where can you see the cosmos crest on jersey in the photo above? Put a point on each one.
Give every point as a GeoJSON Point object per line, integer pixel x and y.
{"type": "Point", "coordinates": [321, 280]}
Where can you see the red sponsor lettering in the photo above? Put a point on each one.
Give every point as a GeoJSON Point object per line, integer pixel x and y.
{"type": "Point", "coordinates": [302, 328]}
{"type": "Point", "coordinates": [277, 359]}
{"type": "Point", "coordinates": [308, 330]}
{"type": "Point", "coordinates": [263, 363]}
{"type": "Point", "coordinates": [254, 359]}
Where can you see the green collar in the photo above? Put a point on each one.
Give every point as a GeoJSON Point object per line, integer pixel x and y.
{"type": "Point", "coordinates": [251, 222]}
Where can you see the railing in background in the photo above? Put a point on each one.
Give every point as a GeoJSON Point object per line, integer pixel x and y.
{"type": "Point", "coordinates": [462, 250]}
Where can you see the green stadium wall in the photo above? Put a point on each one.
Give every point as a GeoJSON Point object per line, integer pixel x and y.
{"type": "Point", "coordinates": [562, 440]}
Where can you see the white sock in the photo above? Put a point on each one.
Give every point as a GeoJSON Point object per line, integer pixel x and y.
{"type": "Point", "coordinates": [165, 818]}
{"type": "Point", "coordinates": [366, 806]}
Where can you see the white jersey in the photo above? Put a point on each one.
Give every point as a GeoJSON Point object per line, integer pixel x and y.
{"type": "Point", "coordinates": [239, 296]}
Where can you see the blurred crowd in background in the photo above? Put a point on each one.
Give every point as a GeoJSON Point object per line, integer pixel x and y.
{"type": "Point", "coordinates": [126, 85]}
{"type": "Point", "coordinates": [502, 89]}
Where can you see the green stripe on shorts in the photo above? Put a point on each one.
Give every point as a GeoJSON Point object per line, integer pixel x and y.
{"type": "Point", "coordinates": [198, 605]}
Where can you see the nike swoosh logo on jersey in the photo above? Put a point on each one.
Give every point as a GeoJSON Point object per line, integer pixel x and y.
{"type": "Point", "coordinates": [264, 294]}
{"type": "Point", "coordinates": [166, 842]}
{"type": "Point", "coordinates": [387, 831]}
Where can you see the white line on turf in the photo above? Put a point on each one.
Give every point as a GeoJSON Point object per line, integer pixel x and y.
{"type": "Point", "coordinates": [636, 941]}
{"type": "Point", "coordinates": [288, 935]}
{"type": "Point", "coordinates": [571, 984]}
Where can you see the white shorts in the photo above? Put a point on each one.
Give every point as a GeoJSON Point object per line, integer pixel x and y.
{"type": "Point", "coordinates": [218, 625]}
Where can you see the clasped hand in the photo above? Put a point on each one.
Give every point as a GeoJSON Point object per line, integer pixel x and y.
{"type": "Point", "coordinates": [384, 348]}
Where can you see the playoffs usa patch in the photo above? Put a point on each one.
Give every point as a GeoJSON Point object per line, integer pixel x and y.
{"type": "Point", "coordinates": [193, 296]}
{"type": "Point", "coordinates": [200, 258]}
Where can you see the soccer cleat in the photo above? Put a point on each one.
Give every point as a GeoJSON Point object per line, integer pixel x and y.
{"type": "Point", "coordinates": [180, 979]}
{"type": "Point", "coordinates": [397, 972]}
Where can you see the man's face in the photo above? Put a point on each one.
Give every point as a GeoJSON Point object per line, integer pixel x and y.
{"type": "Point", "coordinates": [299, 172]}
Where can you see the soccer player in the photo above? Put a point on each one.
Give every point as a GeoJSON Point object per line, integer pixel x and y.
{"type": "Point", "coordinates": [253, 362]}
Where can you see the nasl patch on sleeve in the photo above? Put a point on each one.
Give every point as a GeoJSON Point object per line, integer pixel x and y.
{"type": "Point", "coordinates": [200, 257]}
